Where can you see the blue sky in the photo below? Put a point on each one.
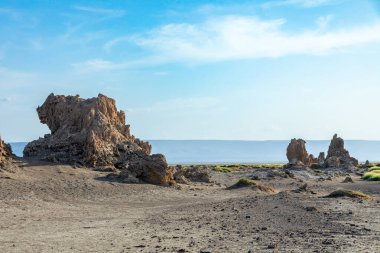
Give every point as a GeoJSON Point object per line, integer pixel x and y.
{"type": "Point", "coordinates": [181, 69]}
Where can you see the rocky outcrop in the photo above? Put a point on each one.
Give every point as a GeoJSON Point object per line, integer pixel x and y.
{"type": "Point", "coordinates": [93, 133]}
{"type": "Point", "coordinates": [297, 154]}
{"type": "Point", "coordinates": [338, 156]}
{"type": "Point", "coordinates": [5, 154]}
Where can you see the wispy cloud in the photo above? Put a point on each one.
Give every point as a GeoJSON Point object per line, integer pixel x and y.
{"type": "Point", "coordinates": [101, 11]}
{"type": "Point", "coordinates": [242, 37]}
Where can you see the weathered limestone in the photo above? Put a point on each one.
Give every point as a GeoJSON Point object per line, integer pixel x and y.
{"type": "Point", "coordinates": [338, 156]}
{"type": "Point", "coordinates": [297, 154]}
{"type": "Point", "coordinates": [92, 132]}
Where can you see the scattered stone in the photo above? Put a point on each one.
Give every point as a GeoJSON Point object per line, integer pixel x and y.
{"type": "Point", "coordinates": [185, 175]}
{"type": "Point", "coordinates": [311, 209]}
{"type": "Point", "coordinates": [92, 132]}
{"type": "Point", "coordinates": [328, 241]}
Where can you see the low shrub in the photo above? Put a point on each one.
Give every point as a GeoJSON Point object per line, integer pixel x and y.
{"type": "Point", "coordinates": [373, 175]}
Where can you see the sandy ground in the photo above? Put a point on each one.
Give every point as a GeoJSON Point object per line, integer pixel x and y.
{"type": "Point", "coordinates": [46, 208]}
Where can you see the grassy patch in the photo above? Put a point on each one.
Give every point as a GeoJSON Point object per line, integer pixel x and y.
{"type": "Point", "coordinates": [269, 165]}
{"type": "Point", "coordinates": [228, 168]}
{"type": "Point", "coordinates": [374, 168]}
{"type": "Point", "coordinates": [247, 182]}
{"type": "Point", "coordinates": [373, 175]}
{"type": "Point", "coordinates": [350, 194]}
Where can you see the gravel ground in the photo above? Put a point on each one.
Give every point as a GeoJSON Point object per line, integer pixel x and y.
{"type": "Point", "coordinates": [57, 208]}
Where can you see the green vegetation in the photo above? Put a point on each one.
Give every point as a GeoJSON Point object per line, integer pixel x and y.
{"type": "Point", "coordinates": [374, 168]}
{"type": "Point", "coordinates": [247, 182]}
{"type": "Point", "coordinates": [350, 194]}
{"type": "Point", "coordinates": [269, 166]}
{"type": "Point", "coordinates": [373, 175]}
{"type": "Point", "coordinates": [226, 168]}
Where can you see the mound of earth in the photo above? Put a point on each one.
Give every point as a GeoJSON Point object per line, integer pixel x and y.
{"type": "Point", "coordinates": [246, 182]}
{"type": "Point", "coordinates": [93, 133]}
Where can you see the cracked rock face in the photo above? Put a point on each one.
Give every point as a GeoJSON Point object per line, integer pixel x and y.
{"type": "Point", "coordinates": [5, 154]}
{"type": "Point", "coordinates": [92, 132]}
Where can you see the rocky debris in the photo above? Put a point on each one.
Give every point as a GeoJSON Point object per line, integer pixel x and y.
{"type": "Point", "coordinates": [5, 154]}
{"type": "Point", "coordinates": [338, 156]}
{"type": "Point", "coordinates": [185, 175]}
{"type": "Point", "coordinates": [180, 175]}
{"type": "Point", "coordinates": [151, 169]}
{"type": "Point", "coordinates": [93, 133]}
{"type": "Point", "coordinates": [297, 154]}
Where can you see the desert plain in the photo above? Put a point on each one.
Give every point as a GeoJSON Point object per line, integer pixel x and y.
{"type": "Point", "coordinates": [47, 207]}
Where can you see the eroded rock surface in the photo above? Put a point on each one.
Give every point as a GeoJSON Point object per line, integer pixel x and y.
{"type": "Point", "coordinates": [5, 154]}
{"type": "Point", "coordinates": [297, 154]}
{"type": "Point", "coordinates": [338, 156]}
{"type": "Point", "coordinates": [93, 133]}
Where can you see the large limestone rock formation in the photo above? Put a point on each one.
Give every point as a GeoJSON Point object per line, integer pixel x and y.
{"type": "Point", "coordinates": [5, 154]}
{"type": "Point", "coordinates": [297, 154]}
{"type": "Point", "coordinates": [93, 133]}
{"type": "Point", "coordinates": [338, 156]}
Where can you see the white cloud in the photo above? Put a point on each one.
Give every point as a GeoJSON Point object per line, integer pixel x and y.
{"type": "Point", "coordinates": [241, 37]}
